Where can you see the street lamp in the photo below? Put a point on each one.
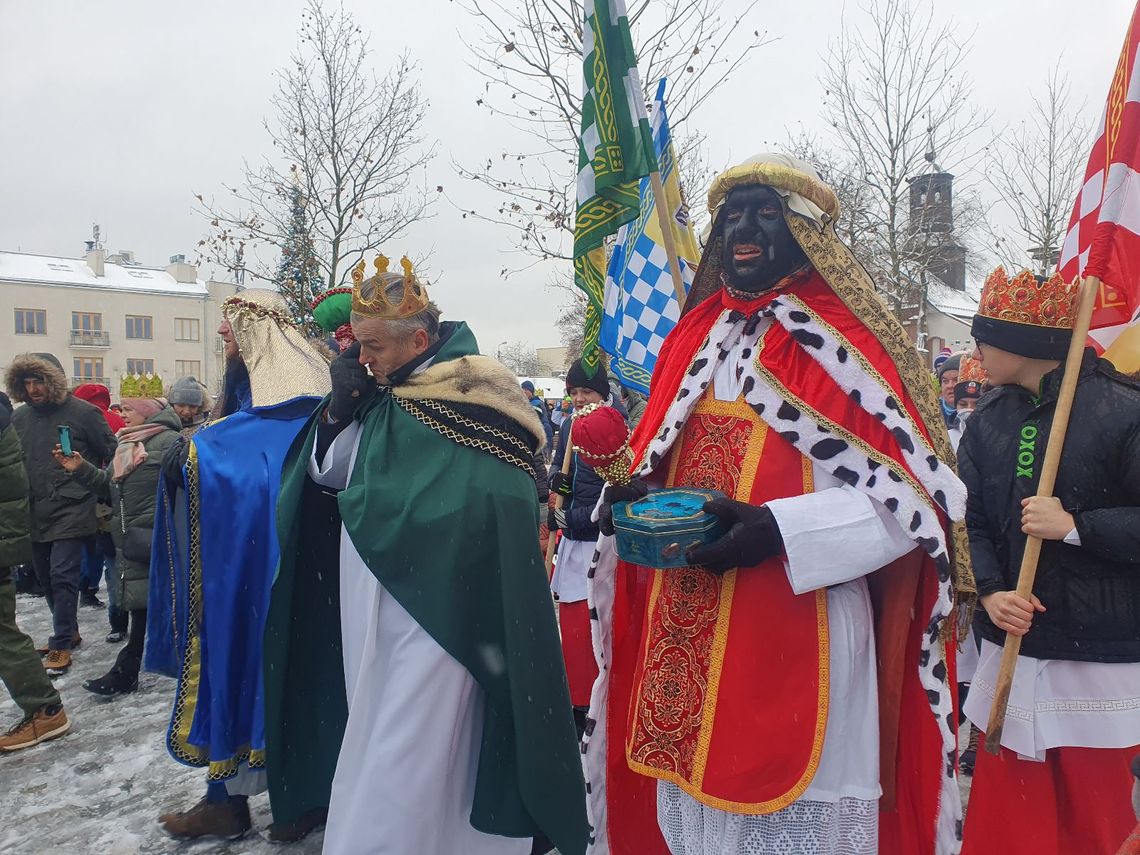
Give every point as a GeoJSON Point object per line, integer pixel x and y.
{"type": "Point", "coordinates": [499, 350]}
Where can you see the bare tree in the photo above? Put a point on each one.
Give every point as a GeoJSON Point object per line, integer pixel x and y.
{"type": "Point", "coordinates": [571, 325]}
{"type": "Point", "coordinates": [521, 358]}
{"type": "Point", "coordinates": [529, 55]}
{"type": "Point", "coordinates": [351, 142]}
{"type": "Point", "coordinates": [895, 85]}
{"type": "Point", "coordinates": [1035, 169]}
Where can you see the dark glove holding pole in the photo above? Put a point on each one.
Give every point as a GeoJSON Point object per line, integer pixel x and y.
{"type": "Point", "coordinates": [614, 495]}
{"type": "Point", "coordinates": [752, 537]}
{"type": "Point", "coordinates": [562, 483]}
{"type": "Point", "coordinates": [352, 385]}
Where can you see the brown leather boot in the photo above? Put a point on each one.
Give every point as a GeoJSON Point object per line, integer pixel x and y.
{"type": "Point", "coordinates": [228, 820]}
{"type": "Point", "coordinates": [47, 723]}
{"type": "Point", "coordinates": [57, 662]}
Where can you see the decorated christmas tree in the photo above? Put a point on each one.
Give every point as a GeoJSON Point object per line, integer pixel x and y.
{"type": "Point", "coordinates": [298, 274]}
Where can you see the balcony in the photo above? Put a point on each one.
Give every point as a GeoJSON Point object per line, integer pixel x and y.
{"type": "Point", "coordinates": [90, 338]}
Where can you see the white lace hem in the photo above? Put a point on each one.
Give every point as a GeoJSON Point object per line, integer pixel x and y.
{"type": "Point", "coordinates": [847, 827]}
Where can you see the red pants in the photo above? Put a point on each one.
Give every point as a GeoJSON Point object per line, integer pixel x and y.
{"type": "Point", "coordinates": [577, 650]}
{"type": "Point", "coordinates": [1078, 802]}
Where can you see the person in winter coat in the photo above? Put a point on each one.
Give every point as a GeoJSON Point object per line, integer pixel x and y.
{"type": "Point", "coordinates": [947, 376]}
{"type": "Point", "coordinates": [189, 400]}
{"type": "Point", "coordinates": [1058, 783]}
{"type": "Point", "coordinates": [20, 668]}
{"type": "Point", "coordinates": [634, 405]}
{"type": "Point", "coordinates": [99, 552]}
{"type": "Point", "coordinates": [580, 489]}
{"type": "Point", "coordinates": [63, 513]}
{"type": "Point", "coordinates": [539, 406]}
{"type": "Point", "coordinates": [130, 483]}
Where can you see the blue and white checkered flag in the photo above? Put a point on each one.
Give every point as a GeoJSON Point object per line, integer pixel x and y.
{"type": "Point", "coordinates": [640, 303]}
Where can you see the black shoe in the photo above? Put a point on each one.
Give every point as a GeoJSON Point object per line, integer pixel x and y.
{"type": "Point", "coordinates": [88, 599]}
{"type": "Point", "coordinates": [116, 636]}
{"type": "Point", "coordinates": [114, 682]}
{"type": "Point", "coordinates": [291, 832]}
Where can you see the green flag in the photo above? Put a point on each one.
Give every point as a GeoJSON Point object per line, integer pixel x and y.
{"type": "Point", "coordinates": [615, 151]}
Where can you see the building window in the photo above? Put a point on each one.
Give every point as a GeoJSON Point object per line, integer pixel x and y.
{"type": "Point", "coordinates": [187, 329]}
{"type": "Point", "coordinates": [86, 322]}
{"type": "Point", "coordinates": [31, 322]}
{"type": "Point", "coordinates": [187, 368]}
{"type": "Point", "coordinates": [88, 369]}
{"type": "Point", "coordinates": [140, 326]}
{"type": "Point", "coordinates": [140, 366]}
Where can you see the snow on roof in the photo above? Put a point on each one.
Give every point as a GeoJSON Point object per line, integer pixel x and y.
{"type": "Point", "coordinates": [74, 272]}
{"type": "Point", "coordinates": [961, 305]}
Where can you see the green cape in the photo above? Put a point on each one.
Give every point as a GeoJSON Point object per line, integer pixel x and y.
{"type": "Point", "coordinates": [455, 541]}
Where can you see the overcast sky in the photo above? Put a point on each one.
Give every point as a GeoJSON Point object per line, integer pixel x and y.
{"type": "Point", "coordinates": [116, 112]}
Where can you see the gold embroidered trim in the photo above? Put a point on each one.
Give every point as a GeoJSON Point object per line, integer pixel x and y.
{"type": "Point", "coordinates": [413, 407]}
{"type": "Point", "coordinates": [776, 175]}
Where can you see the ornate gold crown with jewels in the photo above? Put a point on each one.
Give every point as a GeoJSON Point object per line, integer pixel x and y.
{"type": "Point", "coordinates": [414, 300]}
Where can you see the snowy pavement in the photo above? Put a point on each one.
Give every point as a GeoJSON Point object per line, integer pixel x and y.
{"type": "Point", "coordinates": [101, 788]}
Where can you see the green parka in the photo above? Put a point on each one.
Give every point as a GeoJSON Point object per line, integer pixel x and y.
{"type": "Point", "coordinates": [15, 542]}
{"type": "Point", "coordinates": [132, 506]}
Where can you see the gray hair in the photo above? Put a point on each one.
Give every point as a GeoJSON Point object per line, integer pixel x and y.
{"type": "Point", "coordinates": [427, 319]}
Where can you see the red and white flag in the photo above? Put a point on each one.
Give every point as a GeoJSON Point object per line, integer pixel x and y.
{"type": "Point", "coordinates": [1104, 232]}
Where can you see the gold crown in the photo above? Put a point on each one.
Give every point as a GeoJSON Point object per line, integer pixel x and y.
{"type": "Point", "coordinates": [414, 300]}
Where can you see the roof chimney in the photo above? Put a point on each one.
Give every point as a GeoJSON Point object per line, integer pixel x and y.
{"type": "Point", "coordinates": [181, 271]}
{"type": "Point", "coordinates": [95, 260]}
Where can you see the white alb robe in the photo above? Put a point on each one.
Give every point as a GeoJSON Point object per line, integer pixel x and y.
{"type": "Point", "coordinates": [405, 778]}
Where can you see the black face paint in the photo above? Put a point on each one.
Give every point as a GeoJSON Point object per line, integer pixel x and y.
{"type": "Point", "coordinates": [759, 249]}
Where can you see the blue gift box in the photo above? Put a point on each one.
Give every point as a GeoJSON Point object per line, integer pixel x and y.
{"type": "Point", "coordinates": [655, 531]}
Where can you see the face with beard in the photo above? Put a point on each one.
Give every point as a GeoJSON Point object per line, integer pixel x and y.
{"type": "Point", "coordinates": [759, 249]}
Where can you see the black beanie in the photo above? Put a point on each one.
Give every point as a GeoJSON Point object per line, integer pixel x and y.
{"type": "Point", "coordinates": [576, 379]}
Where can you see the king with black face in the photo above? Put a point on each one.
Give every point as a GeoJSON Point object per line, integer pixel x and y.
{"type": "Point", "coordinates": [759, 249]}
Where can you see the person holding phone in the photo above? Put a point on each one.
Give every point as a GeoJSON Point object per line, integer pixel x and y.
{"type": "Point", "coordinates": [129, 483]}
{"type": "Point", "coordinates": [63, 513]}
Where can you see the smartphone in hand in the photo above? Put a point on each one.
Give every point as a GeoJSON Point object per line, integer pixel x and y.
{"type": "Point", "coordinates": [65, 439]}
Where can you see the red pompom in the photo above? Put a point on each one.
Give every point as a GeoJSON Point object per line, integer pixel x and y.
{"type": "Point", "coordinates": [600, 435]}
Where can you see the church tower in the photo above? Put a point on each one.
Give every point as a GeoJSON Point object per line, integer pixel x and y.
{"type": "Point", "coordinates": [932, 223]}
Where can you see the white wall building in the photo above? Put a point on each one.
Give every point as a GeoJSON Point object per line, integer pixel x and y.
{"type": "Point", "coordinates": [107, 316]}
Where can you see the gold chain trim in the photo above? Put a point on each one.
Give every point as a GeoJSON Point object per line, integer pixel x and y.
{"type": "Point", "coordinates": [413, 408]}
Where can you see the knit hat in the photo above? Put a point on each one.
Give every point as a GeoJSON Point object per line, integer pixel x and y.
{"type": "Point", "coordinates": [146, 407]}
{"type": "Point", "coordinates": [1028, 315]}
{"type": "Point", "coordinates": [952, 363]}
{"type": "Point", "coordinates": [186, 391]}
{"type": "Point", "coordinates": [942, 356]}
{"type": "Point", "coordinates": [526, 384]}
{"type": "Point", "coordinates": [576, 379]}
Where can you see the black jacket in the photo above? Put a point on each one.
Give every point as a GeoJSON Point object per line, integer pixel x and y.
{"type": "Point", "coordinates": [60, 507]}
{"type": "Point", "coordinates": [1092, 591]}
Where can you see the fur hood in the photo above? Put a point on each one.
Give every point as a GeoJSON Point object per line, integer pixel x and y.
{"type": "Point", "coordinates": [477, 381]}
{"type": "Point", "coordinates": [42, 364]}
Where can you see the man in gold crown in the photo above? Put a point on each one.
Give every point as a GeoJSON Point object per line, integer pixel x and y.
{"type": "Point", "coordinates": [1061, 782]}
{"type": "Point", "coordinates": [791, 690]}
{"type": "Point", "coordinates": [422, 685]}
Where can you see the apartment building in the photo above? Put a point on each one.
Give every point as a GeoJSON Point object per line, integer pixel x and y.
{"type": "Point", "coordinates": [105, 316]}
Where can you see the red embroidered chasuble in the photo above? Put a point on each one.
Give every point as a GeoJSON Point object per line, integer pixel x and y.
{"type": "Point", "coordinates": [731, 690]}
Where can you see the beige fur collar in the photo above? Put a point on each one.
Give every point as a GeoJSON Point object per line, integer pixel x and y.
{"type": "Point", "coordinates": [479, 381]}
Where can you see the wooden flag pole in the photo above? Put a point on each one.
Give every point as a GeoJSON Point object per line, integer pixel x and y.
{"type": "Point", "coordinates": [666, 222]}
{"type": "Point", "coordinates": [1028, 572]}
{"type": "Point", "coordinates": [567, 456]}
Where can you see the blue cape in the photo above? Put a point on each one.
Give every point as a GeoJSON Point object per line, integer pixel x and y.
{"type": "Point", "coordinates": [212, 567]}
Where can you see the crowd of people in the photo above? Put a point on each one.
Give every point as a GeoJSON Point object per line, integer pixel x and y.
{"type": "Point", "coordinates": [340, 565]}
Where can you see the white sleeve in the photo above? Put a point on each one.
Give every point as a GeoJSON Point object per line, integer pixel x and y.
{"type": "Point", "coordinates": [1073, 538]}
{"type": "Point", "coordinates": [835, 535]}
{"type": "Point", "coordinates": [334, 470]}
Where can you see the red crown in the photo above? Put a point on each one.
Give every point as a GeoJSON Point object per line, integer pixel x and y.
{"type": "Point", "coordinates": [971, 369]}
{"type": "Point", "coordinates": [1025, 300]}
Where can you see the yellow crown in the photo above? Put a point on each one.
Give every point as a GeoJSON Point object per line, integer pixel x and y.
{"type": "Point", "coordinates": [414, 300]}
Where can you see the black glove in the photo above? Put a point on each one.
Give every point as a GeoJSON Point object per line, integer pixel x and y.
{"type": "Point", "coordinates": [614, 495]}
{"type": "Point", "coordinates": [563, 484]}
{"type": "Point", "coordinates": [551, 521]}
{"type": "Point", "coordinates": [352, 385]}
{"type": "Point", "coordinates": [173, 461]}
{"type": "Point", "coordinates": [752, 537]}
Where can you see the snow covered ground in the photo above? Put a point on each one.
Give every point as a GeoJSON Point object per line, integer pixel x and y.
{"type": "Point", "coordinates": [101, 788]}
